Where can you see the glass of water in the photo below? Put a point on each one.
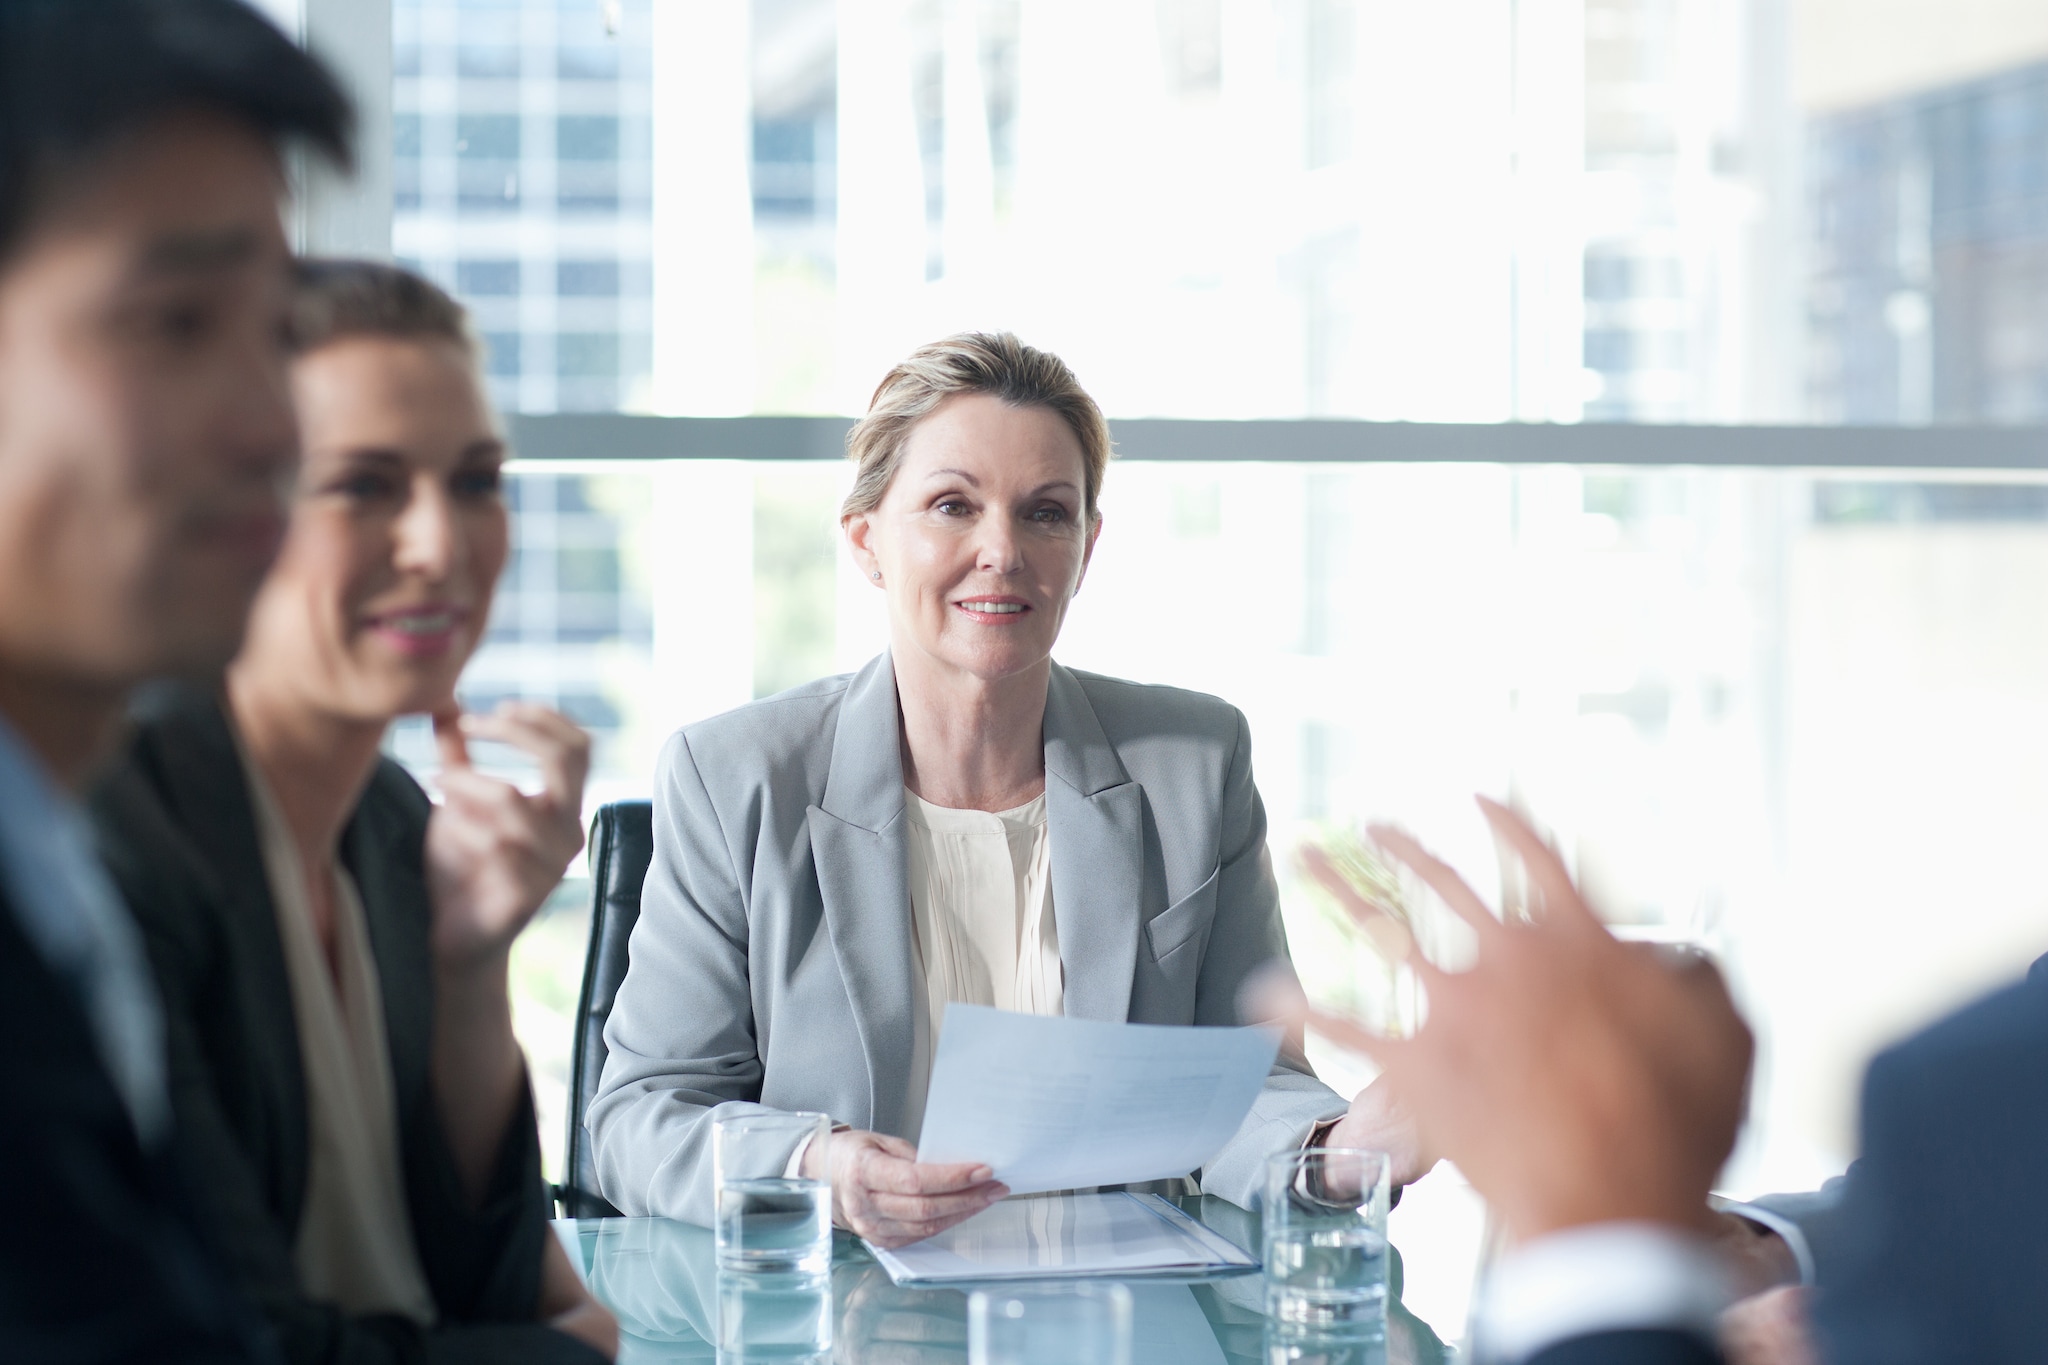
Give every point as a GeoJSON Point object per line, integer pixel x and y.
{"type": "Point", "coordinates": [783, 1319]}
{"type": "Point", "coordinates": [1080, 1323]}
{"type": "Point", "coordinates": [1326, 1242]}
{"type": "Point", "coordinates": [770, 1219]}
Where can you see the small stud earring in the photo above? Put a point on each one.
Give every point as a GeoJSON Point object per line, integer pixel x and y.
{"type": "Point", "coordinates": [875, 574]}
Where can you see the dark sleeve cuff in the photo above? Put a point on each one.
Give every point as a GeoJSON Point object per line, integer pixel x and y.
{"type": "Point", "coordinates": [1635, 1347]}
{"type": "Point", "coordinates": [482, 1262]}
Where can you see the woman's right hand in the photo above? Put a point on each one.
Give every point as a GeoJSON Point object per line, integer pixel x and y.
{"type": "Point", "coordinates": [881, 1192]}
{"type": "Point", "coordinates": [495, 853]}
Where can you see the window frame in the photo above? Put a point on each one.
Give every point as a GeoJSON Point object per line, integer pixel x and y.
{"type": "Point", "coordinates": [338, 214]}
{"type": "Point", "coordinates": [577, 437]}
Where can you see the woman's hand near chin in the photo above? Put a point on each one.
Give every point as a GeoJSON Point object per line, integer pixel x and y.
{"type": "Point", "coordinates": [493, 854]}
{"type": "Point", "coordinates": [881, 1192]}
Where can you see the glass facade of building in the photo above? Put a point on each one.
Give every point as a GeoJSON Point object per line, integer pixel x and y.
{"type": "Point", "coordinates": [522, 180]}
{"type": "Point", "coordinates": [1598, 210]}
{"type": "Point", "coordinates": [522, 183]}
{"type": "Point", "coordinates": [1929, 292]}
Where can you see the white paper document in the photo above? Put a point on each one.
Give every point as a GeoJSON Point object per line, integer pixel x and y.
{"type": "Point", "coordinates": [1051, 1103]}
{"type": "Point", "coordinates": [1066, 1235]}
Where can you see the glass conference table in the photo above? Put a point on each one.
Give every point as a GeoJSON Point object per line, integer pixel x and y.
{"type": "Point", "coordinates": [662, 1281]}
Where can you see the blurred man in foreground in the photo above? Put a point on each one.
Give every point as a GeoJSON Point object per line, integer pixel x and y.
{"type": "Point", "coordinates": [1591, 1090]}
{"type": "Point", "coordinates": [146, 442]}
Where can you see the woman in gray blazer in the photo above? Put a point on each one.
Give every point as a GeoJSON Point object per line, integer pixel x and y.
{"type": "Point", "coordinates": [961, 820]}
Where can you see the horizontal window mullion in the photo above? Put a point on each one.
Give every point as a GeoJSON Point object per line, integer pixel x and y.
{"type": "Point", "coordinates": [623, 436]}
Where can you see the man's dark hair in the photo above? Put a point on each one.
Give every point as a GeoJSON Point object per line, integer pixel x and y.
{"type": "Point", "coordinates": [76, 75]}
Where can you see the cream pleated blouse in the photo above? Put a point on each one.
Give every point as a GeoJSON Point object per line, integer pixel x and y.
{"type": "Point", "coordinates": [355, 1242]}
{"type": "Point", "coordinates": [982, 919]}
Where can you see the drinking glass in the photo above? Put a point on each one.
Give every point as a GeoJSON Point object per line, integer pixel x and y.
{"type": "Point", "coordinates": [1326, 1242]}
{"type": "Point", "coordinates": [781, 1318]}
{"type": "Point", "coordinates": [1081, 1323]}
{"type": "Point", "coordinates": [768, 1220]}
{"type": "Point", "coordinates": [1288, 1346]}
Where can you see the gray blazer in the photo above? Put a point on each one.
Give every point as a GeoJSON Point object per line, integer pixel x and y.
{"type": "Point", "coordinates": [772, 963]}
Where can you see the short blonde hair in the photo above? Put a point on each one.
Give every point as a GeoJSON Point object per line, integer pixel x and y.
{"type": "Point", "coordinates": [994, 363]}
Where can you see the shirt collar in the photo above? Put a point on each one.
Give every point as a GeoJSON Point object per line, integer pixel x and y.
{"type": "Point", "coordinates": [70, 913]}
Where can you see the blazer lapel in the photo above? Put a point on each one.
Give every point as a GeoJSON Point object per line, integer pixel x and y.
{"type": "Point", "coordinates": [207, 792]}
{"type": "Point", "coordinates": [1095, 815]}
{"type": "Point", "coordinates": [398, 916]}
{"type": "Point", "coordinates": [857, 843]}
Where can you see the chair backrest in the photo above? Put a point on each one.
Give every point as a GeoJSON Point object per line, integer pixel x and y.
{"type": "Point", "coordinates": [621, 847]}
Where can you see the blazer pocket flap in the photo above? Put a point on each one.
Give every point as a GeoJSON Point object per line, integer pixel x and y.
{"type": "Point", "coordinates": [1181, 921]}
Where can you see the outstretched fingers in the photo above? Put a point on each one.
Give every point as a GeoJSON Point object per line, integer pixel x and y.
{"type": "Point", "coordinates": [1440, 877]}
{"type": "Point", "coordinates": [1562, 902]}
{"type": "Point", "coordinates": [1352, 1036]}
{"type": "Point", "coordinates": [1388, 935]}
{"type": "Point", "coordinates": [1273, 995]}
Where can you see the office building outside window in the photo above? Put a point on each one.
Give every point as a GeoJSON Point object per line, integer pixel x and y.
{"type": "Point", "coordinates": [522, 180]}
{"type": "Point", "coordinates": [522, 183]}
{"type": "Point", "coordinates": [1929, 291]}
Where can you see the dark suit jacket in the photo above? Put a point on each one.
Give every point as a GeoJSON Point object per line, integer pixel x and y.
{"type": "Point", "coordinates": [1631, 1348]}
{"type": "Point", "coordinates": [1945, 1215]}
{"type": "Point", "coordinates": [100, 1261]}
{"type": "Point", "coordinates": [178, 832]}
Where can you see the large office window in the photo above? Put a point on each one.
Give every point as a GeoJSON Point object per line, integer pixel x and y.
{"type": "Point", "coordinates": [1797, 716]}
{"type": "Point", "coordinates": [521, 166]}
{"type": "Point", "coordinates": [1793, 711]}
{"type": "Point", "coordinates": [1562, 210]}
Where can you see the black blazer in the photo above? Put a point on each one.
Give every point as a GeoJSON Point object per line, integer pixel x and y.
{"type": "Point", "coordinates": [100, 1260]}
{"type": "Point", "coordinates": [178, 832]}
{"type": "Point", "coordinates": [1945, 1255]}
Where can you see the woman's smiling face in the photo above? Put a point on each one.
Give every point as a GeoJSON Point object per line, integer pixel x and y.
{"type": "Point", "coordinates": [982, 537]}
{"type": "Point", "coordinates": [397, 535]}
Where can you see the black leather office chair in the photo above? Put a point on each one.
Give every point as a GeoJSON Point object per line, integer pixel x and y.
{"type": "Point", "coordinates": [621, 847]}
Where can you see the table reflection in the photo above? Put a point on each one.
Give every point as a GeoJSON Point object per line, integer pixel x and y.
{"type": "Point", "coordinates": [661, 1278]}
{"type": "Point", "coordinates": [779, 1317]}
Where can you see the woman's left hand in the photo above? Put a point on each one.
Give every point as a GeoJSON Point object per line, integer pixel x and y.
{"type": "Point", "coordinates": [493, 852]}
